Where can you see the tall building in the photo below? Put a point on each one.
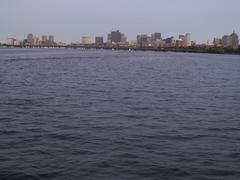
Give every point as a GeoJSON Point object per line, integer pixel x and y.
{"type": "Point", "coordinates": [44, 39]}
{"type": "Point", "coordinates": [187, 40]}
{"type": "Point", "coordinates": [156, 39]}
{"type": "Point", "coordinates": [29, 37]}
{"type": "Point", "coordinates": [86, 40]}
{"type": "Point", "coordinates": [170, 42]}
{"type": "Point", "coordinates": [51, 39]}
{"type": "Point", "coordinates": [156, 36]}
{"type": "Point", "coordinates": [115, 37]}
{"type": "Point", "coordinates": [143, 40]}
{"type": "Point", "coordinates": [99, 40]}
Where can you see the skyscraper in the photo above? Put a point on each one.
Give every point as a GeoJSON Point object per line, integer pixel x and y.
{"type": "Point", "coordinates": [187, 40]}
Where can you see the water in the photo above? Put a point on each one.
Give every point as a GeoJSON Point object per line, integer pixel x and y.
{"type": "Point", "coordinates": [87, 114]}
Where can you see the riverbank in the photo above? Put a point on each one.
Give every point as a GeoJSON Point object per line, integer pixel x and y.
{"type": "Point", "coordinates": [208, 50]}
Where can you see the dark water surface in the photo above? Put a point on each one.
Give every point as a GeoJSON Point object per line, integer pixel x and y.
{"type": "Point", "coordinates": [116, 115]}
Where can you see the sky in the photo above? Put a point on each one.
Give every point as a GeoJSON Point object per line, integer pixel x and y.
{"type": "Point", "coordinates": [69, 20]}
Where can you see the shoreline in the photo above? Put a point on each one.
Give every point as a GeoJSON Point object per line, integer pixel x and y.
{"type": "Point", "coordinates": [210, 50]}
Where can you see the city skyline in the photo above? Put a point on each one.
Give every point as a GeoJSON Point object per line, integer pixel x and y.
{"type": "Point", "coordinates": [119, 39]}
{"type": "Point", "coordinates": [105, 36]}
{"type": "Point", "coordinates": [70, 20]}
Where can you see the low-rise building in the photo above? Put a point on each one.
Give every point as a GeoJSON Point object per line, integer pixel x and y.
{"type": "Point", "coordinates": [86, 40]}
{"type": "Point", "coordinates": [217, 42]}
{"type": "Point", "coordinates": [10, 41]}
{"type": "Point", "coordinates": [99, 40]}
{"type": "Point", "coordinates": [180, 43]}
{"type": "Point", "coordinates": [170, 42]}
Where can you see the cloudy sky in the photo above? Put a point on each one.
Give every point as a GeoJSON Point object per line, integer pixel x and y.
{"type": "Point", "coordinates": [68, 20]}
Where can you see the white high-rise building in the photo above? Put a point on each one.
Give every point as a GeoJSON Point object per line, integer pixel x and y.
{"type": "Point", "coordinates": [187, 40]}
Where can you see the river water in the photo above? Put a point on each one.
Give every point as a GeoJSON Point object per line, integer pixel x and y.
{"type": "Point", "coordinates": [118, 115]}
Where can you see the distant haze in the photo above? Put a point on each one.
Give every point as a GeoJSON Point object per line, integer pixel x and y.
{"type": "Point", "coordinates": [68, 20]}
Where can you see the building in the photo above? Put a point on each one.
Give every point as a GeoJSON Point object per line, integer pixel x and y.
{"type": "Point", "coordinates": [29, 37]}
{"type": "Point", "coordinates": [133, 43]}
{"type": "Point", "coordinates": [36, 41]}
{"type": "Point", "coordinates": [230, 40]}
{"type": "Point", "coordinates": [115, 37]}
{"type": "Point", "coordinates": [227, 41]}
{"type": "Point", "coordinates": [10, 41]}
{"type": "Point", "coordinates": [170, 42]}
{"type": "Point", "coordinates": [44, 40]}
{"type": "Point", "coordinates": [156, 39]}
{"type": "Point", "coordinates": [109, 38]}
{"type": "Point", "coordinates": [51, 39]}
{"type": "Point", "coordinates": [187, 40]}
{"type": "Point", "coordinates": [156, 36]}
{"type": "Point", "coordinates": [123, 39]}
{"type": "Point", "coordinates": [86, 40]}
{"type": "Point", "coordinates": [159, 43]}
{"type": "Point", "coordinates": [143, 41]}
{"type": "Point", "coordinates": [99, 40]}
{"type": "Point", "coordinates": [193, 43]}
{"type": "Point", "coordinates": [16, 43]}
{"type": "Point", "coordinates": [182, 37]}
{"type": "Point", "coordinates": [217, 42]}
{"type": "Point", "coordinates": [180, 43]}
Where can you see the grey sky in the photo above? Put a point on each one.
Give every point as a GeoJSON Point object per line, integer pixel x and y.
{"type": "Point", "coordinates": [68, 20]}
